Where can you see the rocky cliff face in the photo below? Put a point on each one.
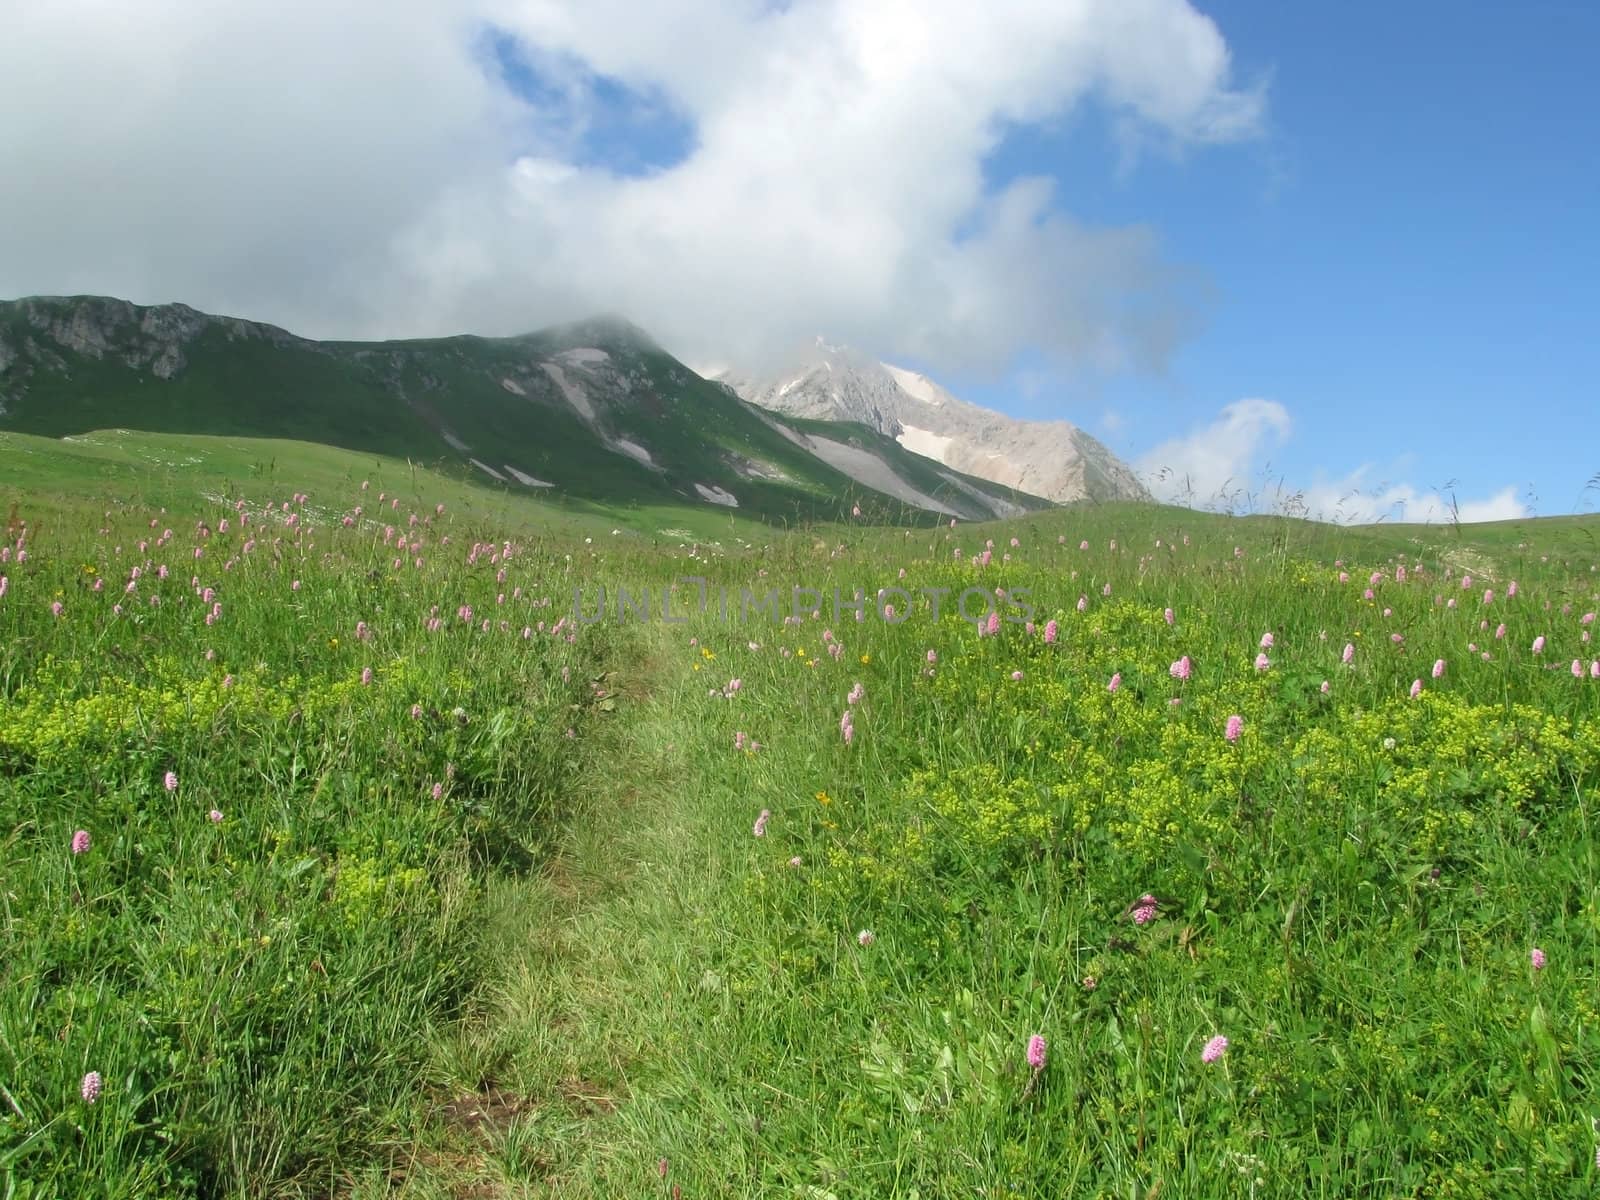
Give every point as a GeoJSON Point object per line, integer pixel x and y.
{"type": "Point", "coordinates": [153, 339]}
{"type": "Point", "coordinates": [1053, 459]}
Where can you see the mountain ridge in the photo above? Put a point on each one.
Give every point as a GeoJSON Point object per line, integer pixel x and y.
{"type": "Point", "coordinates": [594, 409]}
{"type": "Point", "coordinates": [1053, 459]}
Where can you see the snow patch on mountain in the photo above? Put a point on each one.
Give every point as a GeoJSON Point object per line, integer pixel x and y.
{"type": "Point", "coordinates": [924, 442]}
{"type": "Point", "coordinates": [633, 450]}
{"type": "Point", "coordinates": [716, 495]}
{"type": "Point", "coordinates": [574, 394]}
{"type": "Point", "coordinates": [487, 469]}
{"type": "Point", "coordinates": [584, 356]}
{"type": "Point", "coordinates": [918, 387]}
{"type": "Point", "coordinates": [525, 479]}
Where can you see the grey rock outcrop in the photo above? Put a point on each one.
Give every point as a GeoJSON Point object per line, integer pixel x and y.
{"type": "Point", "coordinates": [1053, 459]}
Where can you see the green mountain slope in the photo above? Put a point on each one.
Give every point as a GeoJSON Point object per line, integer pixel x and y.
{"type": "Point", "coordinates": [593, 410]}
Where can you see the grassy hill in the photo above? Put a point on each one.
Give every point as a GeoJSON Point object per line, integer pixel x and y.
{"type": "Point", "coordinates": [593, 411]}
{"type": "Point", "coordinates": [332, 869]}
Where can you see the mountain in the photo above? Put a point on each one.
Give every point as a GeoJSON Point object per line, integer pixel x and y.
{"type": "Point", "coordinates": [1053, 459]}
{"type": "Point", "coordinates": [594, 410]}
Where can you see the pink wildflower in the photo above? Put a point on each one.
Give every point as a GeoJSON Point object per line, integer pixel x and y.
{"type": "Point", "coordinates": [1051, 631]}
{"type": "Point", "coordinates": [1214, 1049]}
{"type": "Point", "coordinates": [1262, 661]}
{"type": "Point", "coordinates": [170, 781]}
{"type": "Point", "coordinates": [1438, 668]}
{"type": "Point", "coordinates": [1416, 688]}
{"type": "Point", "coordinates": [1116, 682]}
{"type": "Point", "coordinates": [1181, 668]}
{"type": "Point", "coordinates": [1037, 1048]}
{"type": "Point", "coordinates": [1538, 644]}
{"type": "Point", "coordinates": [1266, 641]}
{"type": "Point", "coordinates": [1536, 957]}
{"type": "Point", "coordinates": [89, 1089]}
{"type": "Point", "coordinates": [761, 823]}
{"type": "Point", "coordinates": [866, 937]}
{"type": "Point", "coordinates": [1349, 653]}
{"type": "Point", "coordinates": [1234, 728]}
{"type": "Point", "coordinates": [80, 842]}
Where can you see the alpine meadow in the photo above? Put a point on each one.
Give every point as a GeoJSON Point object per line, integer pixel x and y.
{"type": "Point", "coordinates": [355, 846]}
{"type": "Point", "coordinates": [799, 600]}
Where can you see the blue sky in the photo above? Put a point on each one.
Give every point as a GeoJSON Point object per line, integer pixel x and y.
{"type": "Point", "coordinates": [1348, 243]}
{"type": "Point", "coordinates": [1406, 258]}
{"type": "Point", "coordinates": [1400, 256]}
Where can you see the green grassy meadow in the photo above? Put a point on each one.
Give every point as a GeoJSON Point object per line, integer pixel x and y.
{"type": "Point", "coordinates": [339, 856]}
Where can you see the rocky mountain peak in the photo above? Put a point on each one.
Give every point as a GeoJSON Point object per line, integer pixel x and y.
{"type": "Point", "coordinates": [1053, 459]}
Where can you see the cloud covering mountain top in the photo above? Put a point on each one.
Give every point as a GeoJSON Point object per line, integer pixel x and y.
{"type": "Point", "coordinates": [726, 172]}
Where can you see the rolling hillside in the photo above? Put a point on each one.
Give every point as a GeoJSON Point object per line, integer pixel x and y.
{"type": "Point", "coordinates": [593, 410]}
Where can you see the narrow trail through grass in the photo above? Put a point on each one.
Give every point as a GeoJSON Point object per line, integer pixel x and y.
{"type": "Point", "coordinates": [593, 953]}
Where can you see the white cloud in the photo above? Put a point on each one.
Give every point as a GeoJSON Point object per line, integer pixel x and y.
{"type": "Point", "coordinates": [1352, 500]}
{"type": "Point", "coordinates": [1211, 467]}
{"type": "Point", "coordinates": [1220, 466]}
{"type": "Point", "coordinates": [360, 169]}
